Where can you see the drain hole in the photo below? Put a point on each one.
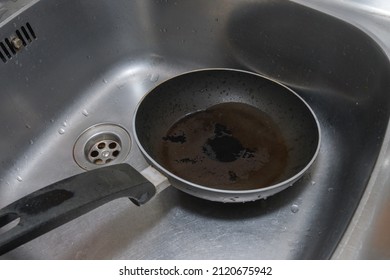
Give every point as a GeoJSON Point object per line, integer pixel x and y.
{"type": "Point", "coordinates": [31, 30]}
{"type": "Point", "coordinates": [26, 34]}
{"type": "Point", "coordinates": [98, 162]}
{"type": "Point", "coordinates": [3, 57]}
{"type": "Point", "coordinates": [94, 154]}
{"type": "Point", "coordinates": [7, 41]}
{"type": "Point", "coordinates": [5, 50]}
{"type": "Point", "coordinates": [103, 149]}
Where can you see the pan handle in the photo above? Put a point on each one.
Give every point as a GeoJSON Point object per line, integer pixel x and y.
{"type": "Point", "coordinates": [63, 201]}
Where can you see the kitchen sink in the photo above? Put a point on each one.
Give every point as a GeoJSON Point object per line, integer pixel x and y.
{"type": "Point", "coordinates": [70, 67]}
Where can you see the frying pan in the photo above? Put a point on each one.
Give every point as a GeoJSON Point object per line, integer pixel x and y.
{"type": "Point", "coordinates": [219, 134]}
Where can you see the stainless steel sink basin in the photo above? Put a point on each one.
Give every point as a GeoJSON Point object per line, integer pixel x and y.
{"type": "Point", "coordinates": [84, 63]}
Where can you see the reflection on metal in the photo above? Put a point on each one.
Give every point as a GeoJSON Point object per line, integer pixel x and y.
{"type": "Point", "coordinates": [9, 7]}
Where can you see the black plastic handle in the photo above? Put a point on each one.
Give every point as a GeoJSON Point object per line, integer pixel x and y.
{"type": "Point", "coordinates": [63, 201]}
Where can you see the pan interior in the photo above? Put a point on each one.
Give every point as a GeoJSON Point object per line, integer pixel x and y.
{"type": "Point", "coordinates": [227, 129]}
{"type": "Point", "coordinates": [229, 146]}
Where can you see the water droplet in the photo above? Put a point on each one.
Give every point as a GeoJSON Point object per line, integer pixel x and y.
{"type": "Point", "coordinates": [154, 77]}
{"type": "Point", "coordinates": [61, 131]}
{"type": "Point", "coordinates": [51, 120]}
{"type": "Point", "coordinates": [105, 81]}
{"type": "Point", "coordinates": [85, 113]}
{"type": "Point", "coordinates": [313, 183]}
{"type": "Point", "coordinates": [31, 142]}
{"type": "Point", "coordinates": [357, 103]}
{"type": "Point", "coordinates": [28, 126]}
{"type": "Point", "coordinates": [294, 208]}
{"type": "Point", "coordinates": [88, 57]}
{"type": "Point", "coordinates": [65, 124]}
{"type": "Point", "coordinates": [19, 179]}
{"type": "Point", "coordinates": [330, 189]}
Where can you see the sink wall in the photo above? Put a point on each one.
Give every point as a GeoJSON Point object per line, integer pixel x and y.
{"type": "Point", "coordinates": [101, 58]}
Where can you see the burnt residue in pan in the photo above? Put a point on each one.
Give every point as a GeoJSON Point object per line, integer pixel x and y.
{"type": "Point", "coordinates": [228, 146]}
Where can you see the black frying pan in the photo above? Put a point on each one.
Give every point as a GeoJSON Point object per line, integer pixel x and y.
{"type": "Point", "coordinates": [219, 134]}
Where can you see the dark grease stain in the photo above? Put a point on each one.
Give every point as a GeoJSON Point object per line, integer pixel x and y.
{"type": "Point", "coordinates": [232, 176]}
{"type": "Point", "coordinates": [187, 160]}
{"type": "Point", "coordinates": [227, 146]}
{"type": "Point", "coordinates": [46, 201]}
{"type": "Point", "coordinates": [224, 147]}
{"type": "Point", "coordinates": [176, 138]}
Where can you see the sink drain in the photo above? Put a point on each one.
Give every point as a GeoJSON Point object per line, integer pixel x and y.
{"type": "Point", "coordinates": [104, 151]}
{"type": "Point", "coordinates": [101, 145]}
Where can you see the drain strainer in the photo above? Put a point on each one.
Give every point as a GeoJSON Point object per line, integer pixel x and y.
{"type": "Point", "coordinates": [100, 145]}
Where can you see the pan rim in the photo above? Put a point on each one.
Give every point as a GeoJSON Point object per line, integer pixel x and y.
{"type": "Point", "coordinates": [169, 174]}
